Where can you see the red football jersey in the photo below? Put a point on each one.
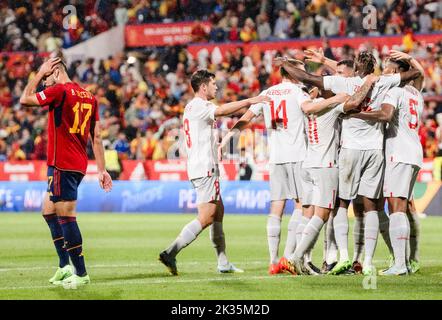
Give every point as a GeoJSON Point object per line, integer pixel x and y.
{"type": "Point", "coordinates": [73, 114]}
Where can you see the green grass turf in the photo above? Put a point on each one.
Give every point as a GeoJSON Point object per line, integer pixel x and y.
{"type": "Point", "coordinates": [121, 254]}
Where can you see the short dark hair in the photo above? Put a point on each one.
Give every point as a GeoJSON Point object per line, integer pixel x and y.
{"type": "Point", "coordinates": [366, 61]}
{"type": "Point", "coordinates": [402, 64]}
{"type": "Point", "coordinates": [63, 65]}
{"type": "Point", "coordinates": [347, 62]}
{"type": "Point", "coordinates": [293, 62]}
{"type": "Point", "coordinates": [200, 77]}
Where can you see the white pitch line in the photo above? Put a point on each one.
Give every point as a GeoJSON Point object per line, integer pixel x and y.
{"type": "Point", "coordinates": [148, 264]}
{"type": "Point", "coordinates": [170, 280]}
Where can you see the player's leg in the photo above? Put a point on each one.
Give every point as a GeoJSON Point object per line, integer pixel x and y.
{"type": "Point", "coordinates": [274, 234]}
{"type": "Point", "coordinates": [296, 217]}
{"type": "Point", "coordinates": [219, 243]}
{"type": "Point", "coordinates": [64, 196]}
{"type": "Point", "coordinates": [358, 234]}
{"type": "Point", "coordinates": [207, 190]}
{"type": "Point", "coordinates": [323, 198]}
{"type": "Point", "coordinates": [370, 189]}
{"type": "Point", "coordinates": [384, 226]}
{"type": "Point", "coordinates": [49, 214]}
{"type": "Point", "coordinates": [413, 218]}
{"type": "Point", "coordinates": [349, 180]}
{"type": "Point", "coordinates": [309, 238]}
{"type": "Point", "coordinates": [399, 184]}
{"type": "Point", "coordinates": [399, 235]}
{"type": "Point", "coordinates": [331, 257]}
{"type": "Point", "coordinates": [282, 188]}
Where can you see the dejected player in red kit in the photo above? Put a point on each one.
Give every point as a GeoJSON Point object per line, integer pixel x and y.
{"type": "Point", "coordinates": [72, 118]}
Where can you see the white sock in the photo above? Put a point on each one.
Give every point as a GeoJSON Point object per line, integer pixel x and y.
{"type": "Point", "coordinates": [332, 247]}
{"type": "Point", "coordinates": [407, 248]}
{"type": "Point", "coordinates": [189, 233]}
{"type": "Point", "coordinates": [371, 236]}
{"type": "Point", "coordinates": [414, 236]}
{"type": "Point", "coordinates": [384, 225]}
{"type": "Point", "coordinates": [309, 237]}
{"type": "Point", "coordinates": [273, 236]}
{"type": "Point", "coordinates": [290, 244]}
{"type": "Point", "coordinates": [399, 235]}
{"type": "Point", "coordinates": [300, 229]}
{"type": "Point", "coordinates": [358, 238]}
{"type": "Point", "coordinates": [324, 249]}
{"type": "Point", "coordinates": [340, 225]}
{"type": "Point", "coordinates": [219, 242]}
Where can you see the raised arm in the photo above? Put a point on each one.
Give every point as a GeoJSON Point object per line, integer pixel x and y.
{"type": "Point", "coordinates": [360, 95]}
{"type": "Point", "coordinates": [317, 56]}
{"type": "Point", "coordinates": [28, 97]}
{"type": "Point", "coordinates": [299, 74]}
{"type": "Point", "coordinates": [317, 106]}
{"type": "Point", "coordinates": [409, 75]}
{"type": "Point", "coordinates": [418, 83]}
{"type": "Point", "coordinates": [239, 125]}
{"type": "Point", "coordinates": [232, 107]}
{"type": "Point", "coordinates": [385, 114]}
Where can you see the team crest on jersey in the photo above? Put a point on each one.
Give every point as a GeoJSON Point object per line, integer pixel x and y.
{"type": "Point", "coordinates": [42, 95]}
{"type": "Point", "coordinates": [73, 92]}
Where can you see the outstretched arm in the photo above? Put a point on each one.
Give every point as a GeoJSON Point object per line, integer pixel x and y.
{"type": "Point", "coordinates": [357, 98]}
{"type": "Point", "coordinates": [28, 97]}
{"type": "Point", "coordinates": [239, 125]}
{"type": "Point", "coordinates": [299, 74]}
{"type": "Point", "coordinates": [317, 106]}
{"type": "Point", "coordinates": [232, 107]}
{"type": "Point", "coordinates": [385, 114]}
{"type": "Point", "coordinates": [317, 56]}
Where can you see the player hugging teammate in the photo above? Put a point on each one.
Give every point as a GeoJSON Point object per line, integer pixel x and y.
{"type": "Point", "coordinates": [333, 142]}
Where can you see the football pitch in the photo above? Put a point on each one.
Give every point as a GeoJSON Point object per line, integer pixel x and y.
{"type": "Point", "coordinates": [121, 255]}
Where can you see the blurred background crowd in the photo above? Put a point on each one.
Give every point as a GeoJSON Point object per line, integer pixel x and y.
{"type": "Point", "coordinates": [38, 25]}
{"type": "Point", "coordinates": [142, 94]}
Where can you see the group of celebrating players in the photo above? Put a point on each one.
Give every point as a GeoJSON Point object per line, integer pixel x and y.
{"type": "Point", "coordinates": [349, 137]}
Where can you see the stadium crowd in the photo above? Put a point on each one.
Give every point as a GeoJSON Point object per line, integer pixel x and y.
{"type": "Point", "coordinates": [46, 25]}
{"type": "Point", "coordinates": [141, 99]}
{"type": "Point", "coordinates": [141, 96]}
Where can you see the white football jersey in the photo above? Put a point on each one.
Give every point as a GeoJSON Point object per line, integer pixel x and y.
{"type": "Point", "coordinates": [199, 138]}
{"type": "Point", "coordinates": [402, 138]}
{"type": "Point", "coordinates": [356, 133]}
{"type": "Point", "coordinates": [284, 121]}
{"type": "Point", "coordinates": [323, 137]}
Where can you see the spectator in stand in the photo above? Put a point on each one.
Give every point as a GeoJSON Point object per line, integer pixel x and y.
{"type": "Point", "coordinates": [114, 166]}
{"type": "Point", "coordinates": [354, 22]}
{"type": "Point", "coordinates": [282, 25]}
{"type": "Point", "coordinates": [264, 30]}
{"type": "Point", "coordinates": [122, 146]}
{"type": "Point", "coordinates": [248, 32]}
{"type": "Point", "coordinates": [198, 32]}
{"type": "Point", "coordinates": [233, 29]}
{"type": "Point", "coordinates": [306, 27]}
{"type": "Point", "coordinates": [394, 24]}
{"type": "Point", "coordinates": [425, 22]}
{"type": "Point", "coordinates": [121, 14]}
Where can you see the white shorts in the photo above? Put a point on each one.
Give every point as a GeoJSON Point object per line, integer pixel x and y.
{"type": "Point", "coordinates": [399, 180]}
{"type": "Point", "coordinates": [361, 172]}
{"type": "Point", "coordinates": [207, 189]}
{"type": "Point", "coordinates": [320, 187]}
{"type": "Point", "coordinates": [285, 181]}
